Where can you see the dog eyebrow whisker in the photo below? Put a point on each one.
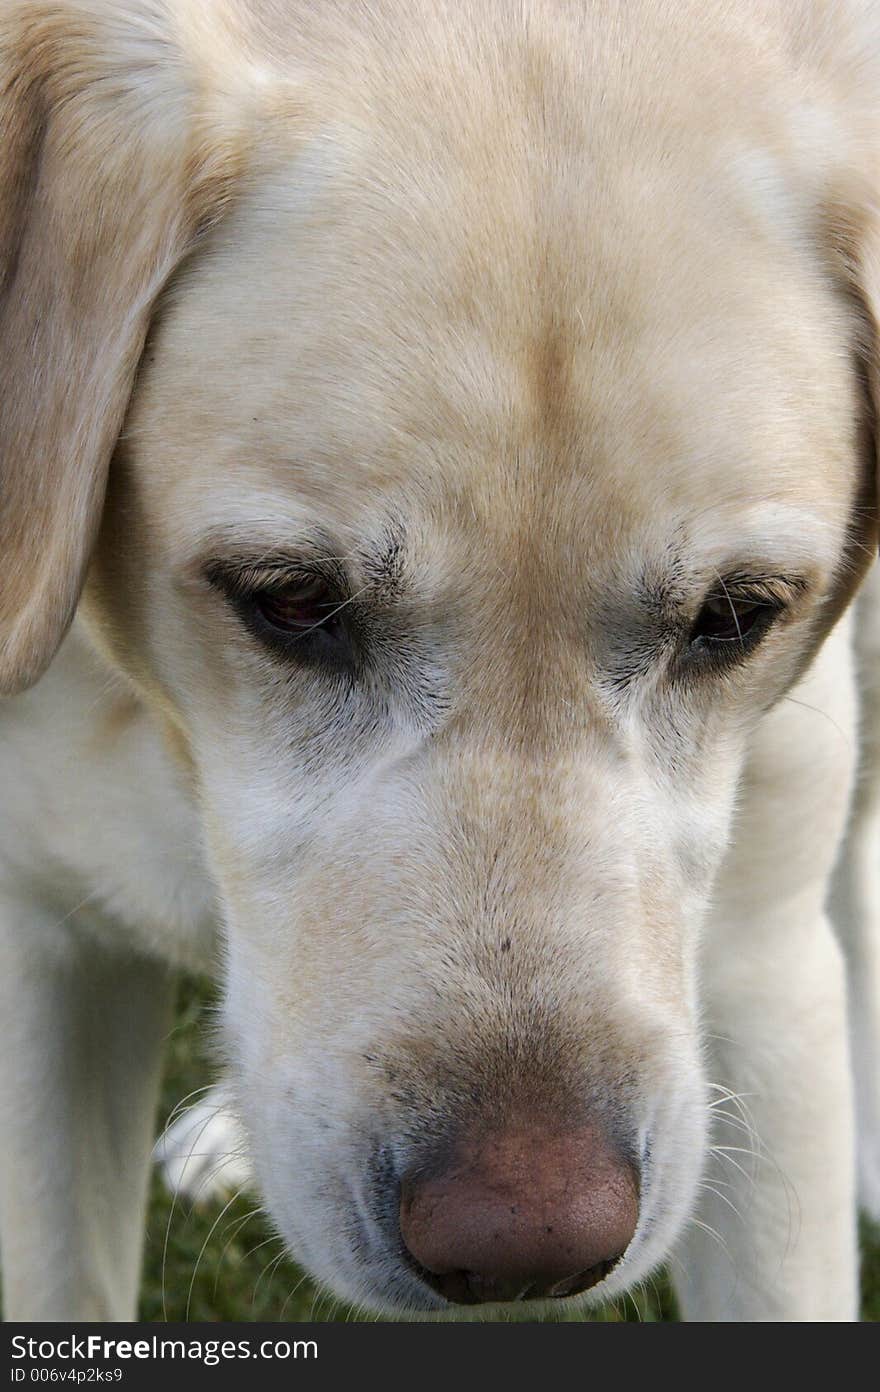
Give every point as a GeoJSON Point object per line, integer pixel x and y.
{"type": "Point", "coordinates": [332, 613]}
{"type": "Point", "coordinates": [730, 602]}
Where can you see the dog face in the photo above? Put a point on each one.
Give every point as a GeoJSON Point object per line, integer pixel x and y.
{"type": "Point", "coordinates": [499, 454]}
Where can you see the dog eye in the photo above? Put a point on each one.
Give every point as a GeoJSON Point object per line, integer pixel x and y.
{"type": "Point", "coordinates": [300, 609]}
{"type": "Point", "coordinates": [724, 618]}
{"type": "Point", "coordinates": [740, 610]}
{"type": "Point", "coordinates": [727, 618]}
{"type": "Point", "coordinates": [303, 616]}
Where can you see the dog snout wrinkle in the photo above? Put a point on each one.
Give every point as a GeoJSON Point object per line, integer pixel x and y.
{"type": "Point", "coordinates": [521, 1216]}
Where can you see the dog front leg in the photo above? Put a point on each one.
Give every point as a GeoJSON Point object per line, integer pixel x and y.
{"type": "Point", "coordinates": [774, 1234]}
{"type": "Point", "coordinates": [83, 1031]}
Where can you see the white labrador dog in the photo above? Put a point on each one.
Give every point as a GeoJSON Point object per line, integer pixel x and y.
{"type": "Point", "coordinates": [453, 426]}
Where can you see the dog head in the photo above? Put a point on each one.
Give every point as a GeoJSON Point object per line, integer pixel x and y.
{"type": "Point", "coordinates": [460, 430]}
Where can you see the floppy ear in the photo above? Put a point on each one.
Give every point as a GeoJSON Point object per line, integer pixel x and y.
{"type": "Point", "coordinates": [854, 225]}
{"type": "Point", "coordinates": [108, 173]}
{"type": "Point", "coordinates": [870, 298]}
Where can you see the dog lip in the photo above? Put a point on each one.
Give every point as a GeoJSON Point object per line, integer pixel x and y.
{"type": "Point", "coordinates": [377, 1203]}
{"type": "Point", "coordinates": [374, 1257]}
{"type": "Point", "coordinates": [424, 1276]}
{"type": "Point", "coordinates": [460, 1287]}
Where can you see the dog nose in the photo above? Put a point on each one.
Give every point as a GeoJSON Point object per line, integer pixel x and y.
{"type": "Point", "coordinates": [521, 1216]}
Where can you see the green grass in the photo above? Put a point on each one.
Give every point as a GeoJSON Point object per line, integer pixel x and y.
{"type": "Point", "coordinates": [228, 1265]}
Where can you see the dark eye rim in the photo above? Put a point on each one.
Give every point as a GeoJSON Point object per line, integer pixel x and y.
{"type": "Point", "coordinates": [734, 618]}
{"type": "Point", "coordinates": [330, 640]}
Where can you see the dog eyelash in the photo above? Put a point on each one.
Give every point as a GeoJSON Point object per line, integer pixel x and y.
{"type": "Point", "coordinates": [293, 609]}
{"type": "Point", "coordinates": [737, 613]}
{"type": "Point", "coordinates": [246, 576]}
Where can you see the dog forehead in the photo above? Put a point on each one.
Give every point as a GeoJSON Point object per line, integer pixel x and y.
{"type": "Point", "coordinates": [564, 336]}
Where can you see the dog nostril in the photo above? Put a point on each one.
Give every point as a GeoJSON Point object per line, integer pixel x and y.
{"type": "Point", "coordinates": [576, 1285]}
{"type": "Point", "coordinates": [469, 1288]}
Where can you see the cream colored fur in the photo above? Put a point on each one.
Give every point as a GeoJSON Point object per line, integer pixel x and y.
{"type": "Point", "coordinates": [567, 312]}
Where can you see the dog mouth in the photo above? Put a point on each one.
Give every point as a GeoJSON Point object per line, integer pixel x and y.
{"type": "Point", "coordinates": [463, 1287]}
